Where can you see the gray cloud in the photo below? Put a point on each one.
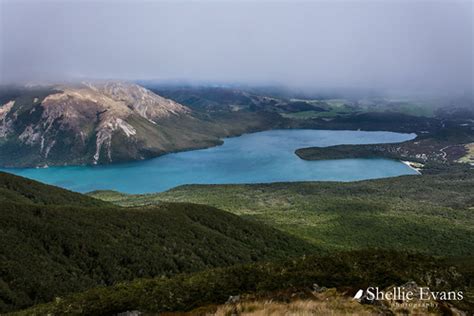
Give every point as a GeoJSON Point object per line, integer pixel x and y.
{"type": "Point", "coordinates": [381, 44]}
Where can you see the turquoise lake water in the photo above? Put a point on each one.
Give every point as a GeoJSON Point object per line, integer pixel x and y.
{"type": "Point", "coordinates": [252, 158]}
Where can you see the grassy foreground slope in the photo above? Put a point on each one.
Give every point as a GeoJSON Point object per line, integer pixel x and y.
{"type": "Point", "coordinates": [430, 213]}
{"type": "Point", "coordinates": [56, 242]}
{"type": "Point", "coordinates": [347, 272]}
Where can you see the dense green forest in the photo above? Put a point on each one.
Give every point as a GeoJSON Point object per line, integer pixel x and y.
{"type": "Point", "coordinates": [430, 213]}
{"type": "Point", "coordinates": [346, 272]}
{"type": "Point", "coordinates": [56, 242]}
{"type": "Point", "coordinates": [22, 190]}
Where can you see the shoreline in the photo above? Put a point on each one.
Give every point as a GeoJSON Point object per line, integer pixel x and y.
{"type": "Point", "coordinates": [412, 165]}
{"type": "Point", "coordinates": [217, 143]}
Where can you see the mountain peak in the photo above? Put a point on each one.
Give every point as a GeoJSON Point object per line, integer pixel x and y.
{"type": "Point", "coordinates": [141, 100]}
{"type": "Point", "coordinates": [93, 122]}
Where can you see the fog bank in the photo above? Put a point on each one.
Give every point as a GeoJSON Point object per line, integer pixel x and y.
{"type": "Point", "coordinates": [399, 45]}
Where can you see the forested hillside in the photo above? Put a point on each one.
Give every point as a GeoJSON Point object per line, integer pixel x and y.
{"type": "Point", "coordinates": [283, 282]}
{"type": "Point", "coordinates": [430, 213]}
{"type": "Point", "coordinates": [56, 242]}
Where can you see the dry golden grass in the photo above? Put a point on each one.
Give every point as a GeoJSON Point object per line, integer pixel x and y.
{"type": "Point", "coordinates": [328, 302]}
{"type": "Point", "coordinates": [333, 307]}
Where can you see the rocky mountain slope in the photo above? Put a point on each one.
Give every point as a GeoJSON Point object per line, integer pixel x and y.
{"type": "Point", "coordinates": [95, 123]}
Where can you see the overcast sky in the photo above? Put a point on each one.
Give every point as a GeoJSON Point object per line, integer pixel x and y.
{"type": "Point", "coordinates": [371, 44]}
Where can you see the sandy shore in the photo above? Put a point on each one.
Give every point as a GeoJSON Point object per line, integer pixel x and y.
{"type": "Point", "coordinates": [413, 165]}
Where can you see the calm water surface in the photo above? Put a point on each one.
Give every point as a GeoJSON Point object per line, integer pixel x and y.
{"type": "Point", "coordinates": [252, 158]}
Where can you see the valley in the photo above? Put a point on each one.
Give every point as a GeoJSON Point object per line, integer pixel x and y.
{"type": "Point", "coordinates": [112, 122]}
{"type": "Point", "coordinates": [251, 158]}
{"type": "Point", "coordinates": [242, 218]}
{"type": "Point", "coordinates": [236, 158]}
{"type": "Point", "coordinates": [90, 249]}
{"type": "Point", "coordinates": [429, 214]}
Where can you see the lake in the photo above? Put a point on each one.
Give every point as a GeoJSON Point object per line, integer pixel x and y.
{"type": "Point", "coordinates": [251, 158]}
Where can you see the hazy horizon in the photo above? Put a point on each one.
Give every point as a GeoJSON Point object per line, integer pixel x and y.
{"type": "Point", "coordinates": [391, 45]}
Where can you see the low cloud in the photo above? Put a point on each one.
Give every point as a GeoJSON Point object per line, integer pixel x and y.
{"type": "Point", "coordinates": [400, 45]}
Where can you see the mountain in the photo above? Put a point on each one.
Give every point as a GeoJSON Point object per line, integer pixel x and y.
{"type": "Point", "coordinates": [226, 99]}
{"type": "Point", "coordinates": [95, 123]}
{"type": "Point", "coordinates": [217, 99]}
{"type": "Point", "coordinates": [56, 242]}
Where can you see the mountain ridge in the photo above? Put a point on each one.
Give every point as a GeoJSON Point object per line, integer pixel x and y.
{"type": "Point", "coordinates": [95, 123]}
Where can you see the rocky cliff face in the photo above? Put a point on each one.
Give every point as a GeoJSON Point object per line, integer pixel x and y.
{"type": "Point", "coordinates": [93, 123]}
